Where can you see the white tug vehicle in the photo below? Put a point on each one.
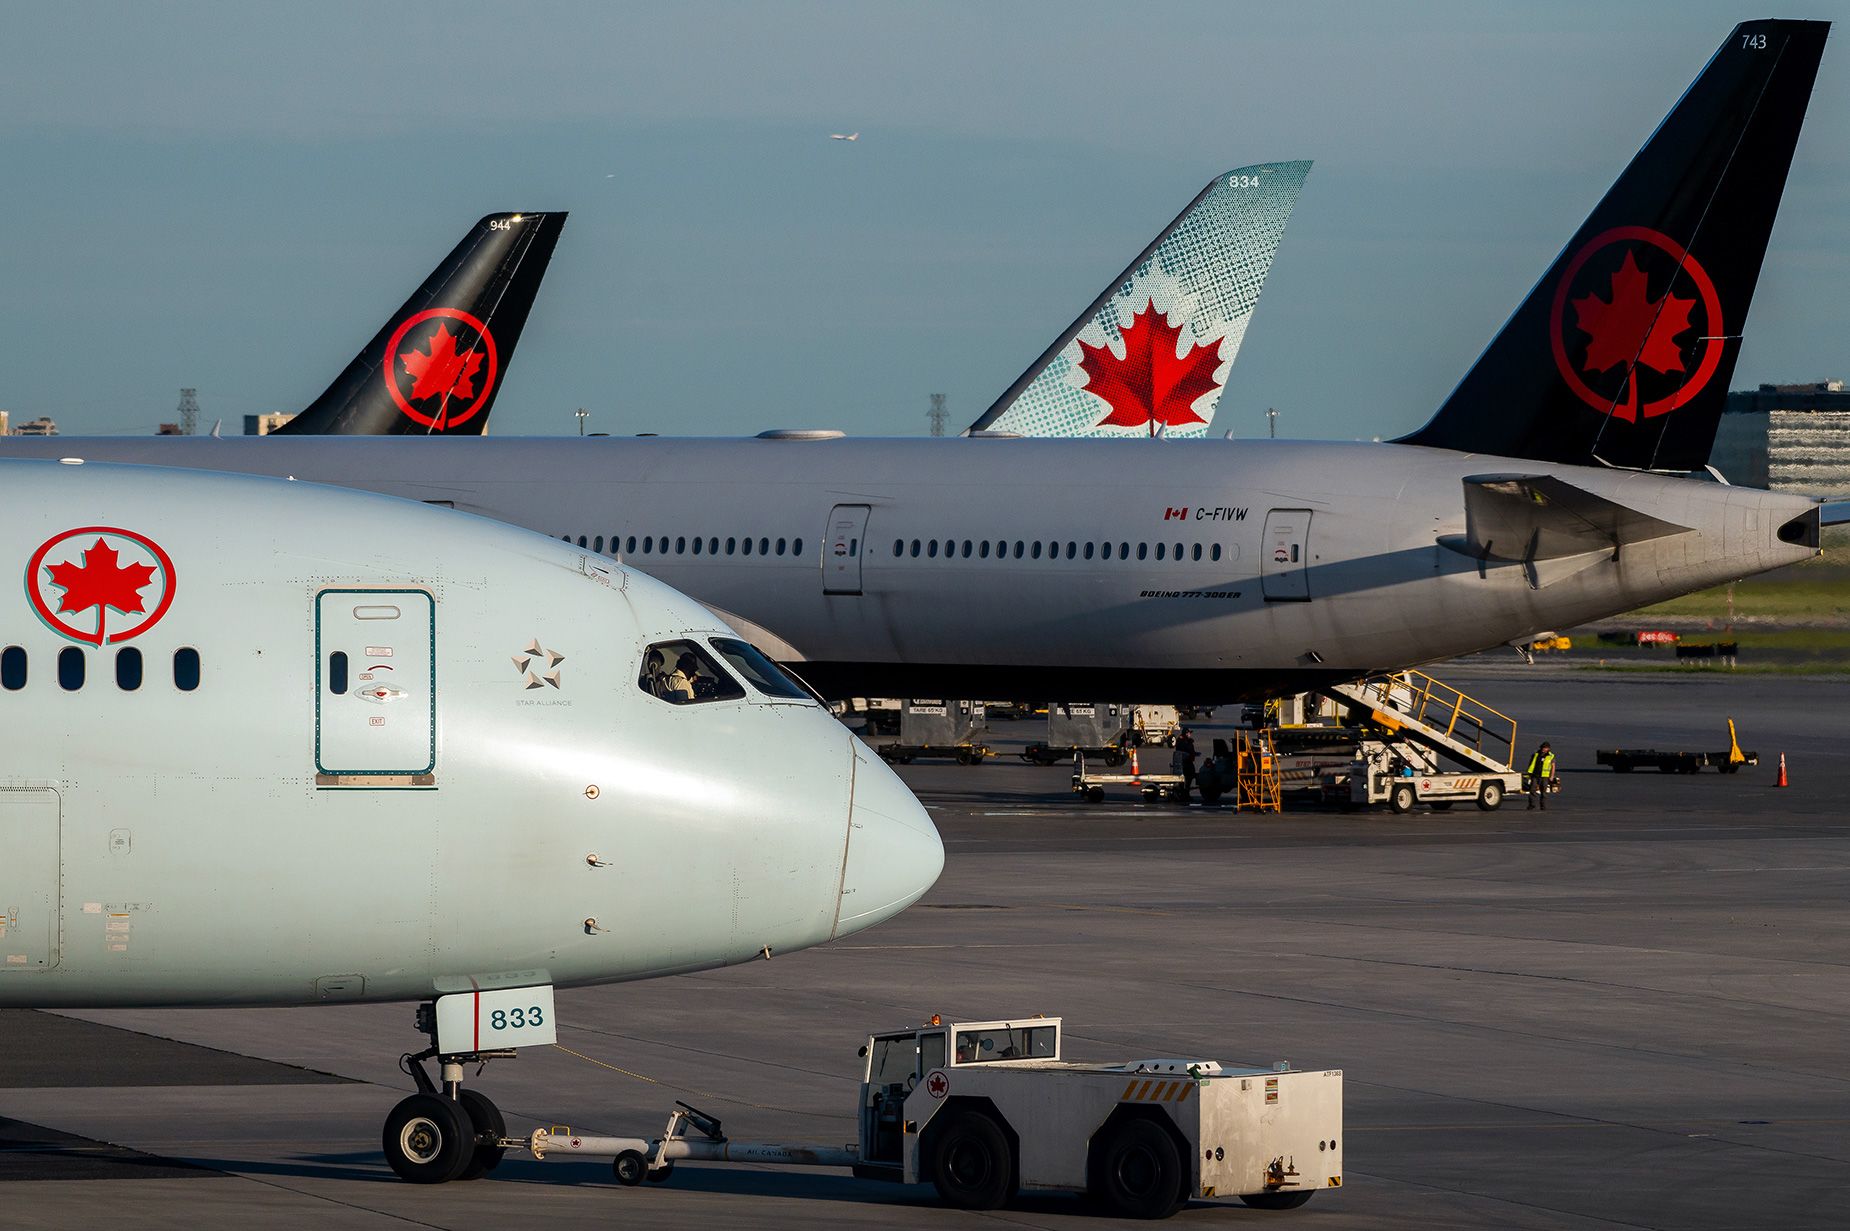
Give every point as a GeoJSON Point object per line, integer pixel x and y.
{"type": "Point", "coordinates": [983, 1110]}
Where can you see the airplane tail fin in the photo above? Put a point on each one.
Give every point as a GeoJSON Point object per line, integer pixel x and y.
{"type": "Point", "coordinates": [436, 366]}
{"type": "Point", "coordinates": [1622, 354]}
{"type": "Point", "coordinates": [1155, 348]}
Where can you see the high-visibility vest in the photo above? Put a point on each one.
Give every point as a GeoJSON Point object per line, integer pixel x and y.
{"type": "Point", "coordinates": [1546, 764]}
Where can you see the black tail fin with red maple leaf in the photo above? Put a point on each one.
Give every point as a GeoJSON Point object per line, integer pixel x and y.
{"type": "Point", "coordinates": [436, 367]}
{"type": "Point", "coordinates": [1623, 352]}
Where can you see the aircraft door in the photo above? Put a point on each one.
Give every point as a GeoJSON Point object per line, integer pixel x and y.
{"type": "Point", "coordinates": [375, 683]}
{"type": "Point", "coordinates": [30, 893]}
{"type": "Point", "coordinates": [842, 549]}
{"type": "Point", "coordinates": [1284, 570]}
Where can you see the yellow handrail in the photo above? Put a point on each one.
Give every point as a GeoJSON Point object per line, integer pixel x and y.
{"type": "Point", "coordinates": [1441, 707]}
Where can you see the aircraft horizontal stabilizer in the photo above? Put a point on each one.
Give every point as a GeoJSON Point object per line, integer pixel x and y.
{"type": "Point", "coordinates": [1544, 522]}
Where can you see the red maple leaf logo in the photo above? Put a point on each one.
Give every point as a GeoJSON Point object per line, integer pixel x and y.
{"type": "Point", "coordinates": [440, 369]}
{"type": "Point", "coordinates": [1150, 385]}
{"type": "Point", "coordinates": [101, 581]}
{"type": "Point", "coordinates": [1633, 325]}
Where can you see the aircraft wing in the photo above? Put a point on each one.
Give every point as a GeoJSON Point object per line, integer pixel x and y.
{"type": "Point", "coordinates": [1550, 526]}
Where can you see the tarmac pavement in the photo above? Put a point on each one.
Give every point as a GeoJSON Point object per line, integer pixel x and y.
{"type": "Point", "coordinates": [1631, 1010]}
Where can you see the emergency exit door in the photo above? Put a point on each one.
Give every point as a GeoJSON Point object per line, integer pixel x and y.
{"type": "Point", "coordinates": [29, 881]}
{"type": "Point", "coordinates": [1285, 562]}
{"type": "Point", "coordinates": [375, 683]}
{"type": "Point", "coordinates": [842, 549]}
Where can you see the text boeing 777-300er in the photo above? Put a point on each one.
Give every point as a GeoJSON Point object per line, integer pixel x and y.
{"type": "Point", "coordinates": [280, 744]}
{"type": "Point", "coordinates": [1554, 486]}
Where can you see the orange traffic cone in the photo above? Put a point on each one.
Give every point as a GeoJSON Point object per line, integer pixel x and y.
{"type": "Point", "coordinates": [1134, 770]}
{"type": "Point", "coordinates": [1782, 772]}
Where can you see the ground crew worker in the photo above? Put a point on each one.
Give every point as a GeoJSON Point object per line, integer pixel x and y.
{"type": "Point", "coordinates": [1182, 760]}
{"type": "Point", "coordinates": [1541, 775]}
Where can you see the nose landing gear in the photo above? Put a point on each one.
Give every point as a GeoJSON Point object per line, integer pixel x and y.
{"type": "Point", "coordinates": [443, 1133]}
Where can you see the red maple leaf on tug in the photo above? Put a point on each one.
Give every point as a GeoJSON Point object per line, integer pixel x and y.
{"type": "Point", "coordinates": [1633, 325]}
{"type": "Point", "coordinates": [101, 581]}
{"type": "Point", "coordinates": [440, 369]}
{"type": "Point", "coordinates": [1151, 384]}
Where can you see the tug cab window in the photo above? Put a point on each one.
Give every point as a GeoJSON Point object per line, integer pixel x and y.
{"type": "Point", "coordinates": [760, 672]}
{"type": "Point", "coordinates": [1000, 1043]}
{"type": "Point", "coordinates": [684, 673]}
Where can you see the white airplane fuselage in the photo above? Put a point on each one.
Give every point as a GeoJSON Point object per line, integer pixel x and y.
{"type": "Point", "coordinates": [1300, 562]}
{"type": "Point", "coordinates": [256, 831]}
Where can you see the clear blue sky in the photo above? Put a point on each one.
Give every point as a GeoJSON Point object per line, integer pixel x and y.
{"type": "Point", "coordinates": [234, 196]}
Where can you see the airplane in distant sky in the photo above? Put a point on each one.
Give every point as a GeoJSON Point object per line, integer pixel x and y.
{"type": "Point", "coordinates": [853, 136]}
{"type": "Point", "coordinates": [1560, 482]}
{"type": "Point", "coordinates": [281, 744]}
{"type": "Point", "coordinates": [436, 366]}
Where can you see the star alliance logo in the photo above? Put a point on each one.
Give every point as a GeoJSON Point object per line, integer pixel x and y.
{"type": "Point", "coordinates": [547, 660]}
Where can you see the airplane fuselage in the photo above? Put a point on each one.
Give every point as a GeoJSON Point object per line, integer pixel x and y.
{"type": "Point", "coordinates": [363, 750]}
{"type": "Point", "coordinates": [1200, 570]}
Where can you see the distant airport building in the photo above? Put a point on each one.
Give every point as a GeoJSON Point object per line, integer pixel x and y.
{"type": "Point", "coordinates": [3, 419]}
{"type": "Point", "coordinates": [263, 425]}
{"type": "Point", "coordinates": [1789, 438]}
{"type": "Point", "coordinates": [168, 429]}
{"type": "Point", "coordinates": [41, 426]}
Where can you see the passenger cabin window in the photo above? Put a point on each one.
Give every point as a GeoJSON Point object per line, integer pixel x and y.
{"type": "Point", "coordinates": [70, 668]}
{"type": "Point", "coordinates": [337, 672]}
{"type": "Point", "coordinates": [186, 668]}
{"type": "Point", "coordinates": [13, 668]}
{"type": "Point", "coordinates": [1214, 552]}
{"type": "Point", "coordinates": [684, 673]}
{"type": "Point", "coordinates": [128, 668]}
{"type": "Point", "coordinates": [760, 672]}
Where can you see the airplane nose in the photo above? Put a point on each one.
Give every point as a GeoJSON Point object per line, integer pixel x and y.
{"type": "Point", "coordinates": [894, 851]}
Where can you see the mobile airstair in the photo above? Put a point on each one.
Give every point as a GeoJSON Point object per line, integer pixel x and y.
{"type": "Point", "coordinates": [1423, 724]}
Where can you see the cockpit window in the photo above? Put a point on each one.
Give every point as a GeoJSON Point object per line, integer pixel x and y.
{"type": "Point", "coordinates": [684, 673]}
{"type": "Point", "coordinates": [760, 672]}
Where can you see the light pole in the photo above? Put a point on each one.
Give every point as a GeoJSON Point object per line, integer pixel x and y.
{"type": "Point", "coordinates": [1271, 422]}
{"type": "Point", "coordinates": [582, 414]}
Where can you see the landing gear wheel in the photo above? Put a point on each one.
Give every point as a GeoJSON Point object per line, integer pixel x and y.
{"type": "Point", "coordinates": [1489, 798]}
{"type": "Point", "coordinates": [1137, 1172]}
{"type": "Point", "coordinates": [661, 1174]}
{"type": "Point", "coordinates": [485, 1118]}
{"type": "Point", "coordinates": [629, 1167]}
{"type": "Point", "coordinates": [1402, 798]}
{"type": "Point", "coordinates": [1277, 1201]}
{"type": "Point", "coordinates": [428, 1139]}
{"type": "Point", "coordinates": [971, 1165]}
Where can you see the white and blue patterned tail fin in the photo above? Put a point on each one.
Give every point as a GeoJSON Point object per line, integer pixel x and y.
{"type": "Point", "coordinates": [1154, 350]}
